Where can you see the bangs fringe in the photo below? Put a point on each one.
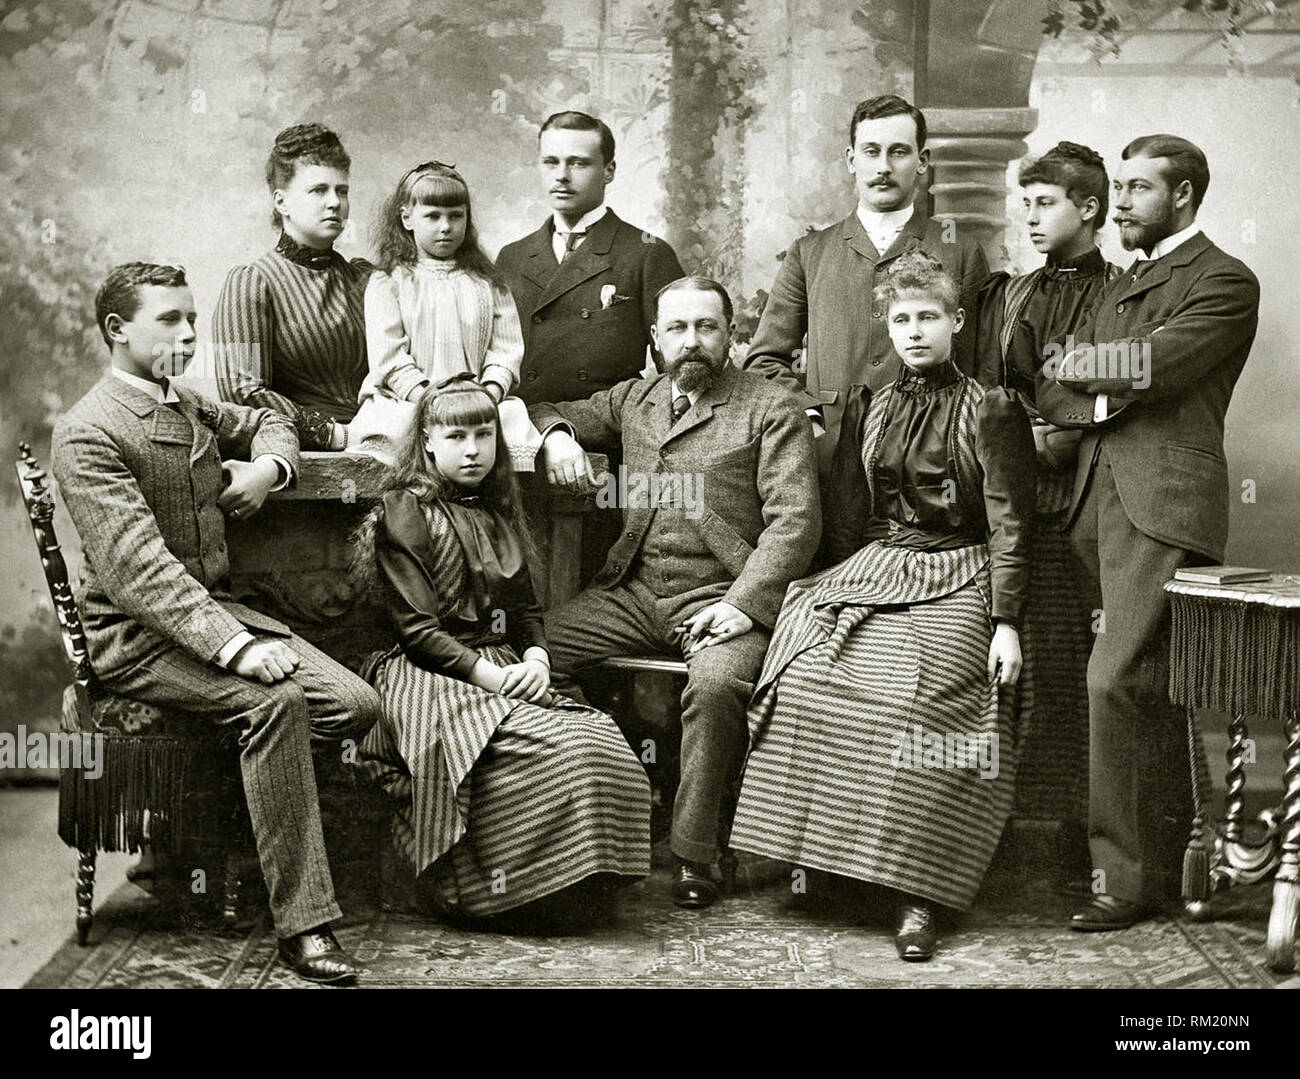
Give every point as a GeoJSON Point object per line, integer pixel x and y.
{"type": "Point", "coordinates": [461, 408]}
{"type": "Point", "coordinates": [432, 189]}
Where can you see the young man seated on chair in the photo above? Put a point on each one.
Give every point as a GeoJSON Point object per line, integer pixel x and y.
{"type": "Point", "coordinates": [730, 517]}
{"type": "Point", "coordinates": [149, 470]}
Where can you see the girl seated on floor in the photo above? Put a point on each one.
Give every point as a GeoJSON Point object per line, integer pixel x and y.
{"type": "Point", "coordinates": [507, 791]}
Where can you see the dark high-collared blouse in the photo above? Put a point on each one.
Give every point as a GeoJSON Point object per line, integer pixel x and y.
{"type": "Point", "coordinates": [290, 332]}
{"type": "Point", "coordinates": [447, 568]}
{"type": "Point", "coordinates": [942, 463]}
{"type": "Point", "coordinates": [1064, 292]}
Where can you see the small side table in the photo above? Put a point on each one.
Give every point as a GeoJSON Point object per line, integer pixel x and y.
{"type": "Point", "coordinates": [1236, 649]}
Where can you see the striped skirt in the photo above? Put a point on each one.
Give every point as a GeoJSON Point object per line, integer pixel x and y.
{"type": "Point", "coordinates": [507, 801]}
{"type": "Point", "coordinates": [879, 748]}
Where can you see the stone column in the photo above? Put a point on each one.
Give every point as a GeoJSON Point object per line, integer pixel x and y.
{"type": "Point", "coordinates": [969, 153]}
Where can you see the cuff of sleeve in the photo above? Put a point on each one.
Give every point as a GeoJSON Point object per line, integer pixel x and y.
{"type": "Point", "coordinates": [231, 648]}
{"type": "Point", "coordinates": [559, 425]}
{"type": "Point", "coordinates": [464, 663]}
{"type": "Point", "coordinates": [404, 382]}
{"type": "Point", "coordinates": [744, 603]}
{"type": "Point", "coordinates": [286, 471]}
{"type": "Point", "coordinates": [1100, 408]}
{"type": "Point", "coordinates": [500, 375]}
{"type": "Point", "coordinates": [1008, 612]}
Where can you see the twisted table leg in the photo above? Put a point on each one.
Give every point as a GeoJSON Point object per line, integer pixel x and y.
{"type": "Point", "coordinates": [1286, 888]}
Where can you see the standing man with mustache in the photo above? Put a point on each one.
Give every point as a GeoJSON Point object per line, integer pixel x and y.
{"type": "Point", "coordinates": [705, 582]}
{"type": "Point", "coordinates": [820, 333]}
{"type": "Point", "coordinates": [1150, 495]}
{"type": "Point", "coordinates": [585, 285]}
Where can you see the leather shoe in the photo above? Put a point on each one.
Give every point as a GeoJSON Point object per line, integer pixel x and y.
{"type": "Point", "coordinates": [917, 935]}
{"type": "Point", "coordinates": [693, 886]}
{"type": "Point", "coordinates": [316, 956]}
{"type": "Point", "coordinates": [1103, 912]}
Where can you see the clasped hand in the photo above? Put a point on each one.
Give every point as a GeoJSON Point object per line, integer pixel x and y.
{"type": "Point", "coordinates": [249, 482]}
{"type": "Point", "coordinates": [528, 680]}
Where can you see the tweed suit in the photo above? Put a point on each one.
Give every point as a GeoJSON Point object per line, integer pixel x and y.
{"type": "Point", "coordinates": [756, 529]}
{"type": "Point", "coordinates": [140, 480]}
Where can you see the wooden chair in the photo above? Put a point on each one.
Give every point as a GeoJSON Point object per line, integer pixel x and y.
{"type": "Point", "coordinates": [168, 782]}
{"type": "Point", "coordinates": [564, 545]}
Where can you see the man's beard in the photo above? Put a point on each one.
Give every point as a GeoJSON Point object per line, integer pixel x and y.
{"type": "Point", "coordinates": [1147, 235]}
{"type": "Point", "coordinates": [693, 370]}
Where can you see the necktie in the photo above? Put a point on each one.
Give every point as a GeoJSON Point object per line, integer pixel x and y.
{"type": "Point", "coordinates": [570, 242]}
{"type": "Point", "coordinates": [175, 406]}
{"type": "Point", "coordinates": [681, 405]}
{"type": "Point", "coordinates": [1140, 267]}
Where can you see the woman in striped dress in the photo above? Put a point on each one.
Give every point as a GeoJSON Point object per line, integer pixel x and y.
{"type": "Point", "coordinates": [883, 738]}
{"type": "Point", "coordinates": [289, 328]}
{"type": "Point", "coordinates": [507, 792]}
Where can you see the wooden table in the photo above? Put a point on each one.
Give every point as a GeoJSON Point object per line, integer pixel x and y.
{"type": "Point", "coordinates": [1236, 649]}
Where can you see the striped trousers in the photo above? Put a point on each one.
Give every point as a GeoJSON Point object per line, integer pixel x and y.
{"type": "Point", "coordinates": [322, 702]}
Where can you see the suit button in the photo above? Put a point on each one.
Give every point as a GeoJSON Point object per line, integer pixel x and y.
{"type": "Point", "coordinates": [531, 376]}
{"type": "Point", "coordinates": [875, 363]}
{"type": "Point", "coordinates": [877, 314]}
{"type": "Point", "coordinates": [537, 319]}
{"type": "Point", "coordinates": [663, 531]}
{"type": "Point", "coordinates": [586, 313]}
{"type": "Point", "coordinates": [582, 375]}
{"type": "Point", "coordinates": [631, 535]}
{"type": "Point", "coordinates": [1119, 309]}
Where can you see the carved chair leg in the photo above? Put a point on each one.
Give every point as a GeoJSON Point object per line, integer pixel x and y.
{"type": "Point", "coordinates": [85, 892]}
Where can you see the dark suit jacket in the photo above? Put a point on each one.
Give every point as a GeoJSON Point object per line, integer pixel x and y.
{"type": "Point", "coordinates": [141, 483]}
{"type": "Point", "coordinates": [1194, 313]}
{"type": "Point", "coordinates": [823, 289]}
{"type": "Point", "coordinates": [751, 443]}
{"type": "Point", "coordinates": [573, 346]}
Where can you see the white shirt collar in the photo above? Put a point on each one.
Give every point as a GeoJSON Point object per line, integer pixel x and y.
{"type": "Point", "coordinates": [583, 223]}
{"type": "Point", "coordinates": [880, 221]}
{"type": "Point", "coordinates": [1163, 247]}
{"type": "Point", "coordinates": [144, 385]}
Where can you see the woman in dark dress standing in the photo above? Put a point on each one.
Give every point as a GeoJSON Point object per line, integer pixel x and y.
{"type": "Point", "coordinates": [290, 327]}
{"type": "Point", "coordinates": [1065, 199]}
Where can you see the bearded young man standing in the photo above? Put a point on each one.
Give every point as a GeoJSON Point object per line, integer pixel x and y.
{"type": "Point", "coordinates": [1149, 375]}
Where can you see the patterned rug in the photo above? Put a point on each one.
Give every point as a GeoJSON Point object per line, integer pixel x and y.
{"type": "Point", "coordinates": [765, 935]}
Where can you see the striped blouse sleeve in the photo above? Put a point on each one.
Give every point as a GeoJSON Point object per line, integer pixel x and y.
{"type": "Point", "coordinates": [505, 351]}
{"type": "Point", "coordinates": [243, 328]}
{"type": "Point", "coordinates": [388, 345]}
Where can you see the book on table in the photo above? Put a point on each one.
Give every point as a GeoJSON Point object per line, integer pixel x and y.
{"type": "Point", "coordinates": [1221, 574]}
